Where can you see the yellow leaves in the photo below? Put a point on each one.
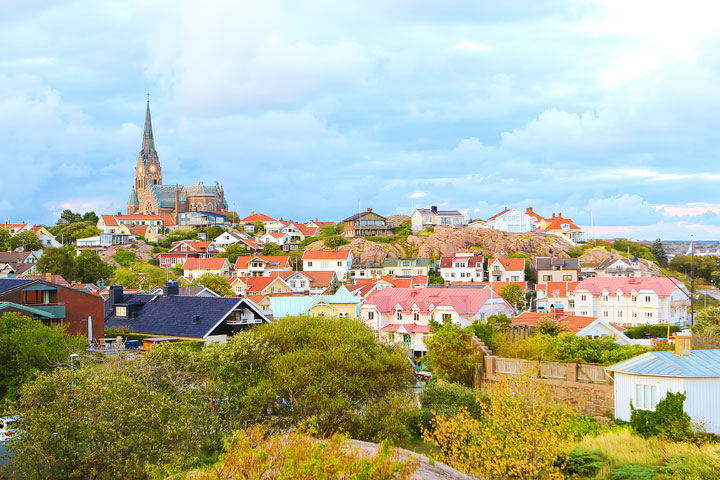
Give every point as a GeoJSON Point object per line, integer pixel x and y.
{"type": "Point", "coordinates": [521, 435]}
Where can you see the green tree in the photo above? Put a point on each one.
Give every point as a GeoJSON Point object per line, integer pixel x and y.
{"type": "Point", "coordinates": [334, 241]}
{"type": "Point", "coordinates": [658, 251]}
{"type": "Point", "coordinates": [124, 277]}
{"type": "Point", "coordinates": [58, 261]}
{"type": "Point", "coordinates": [28, 241]}
{"type": "Point", "coordinates": [27, 347]}
{"type": "Point", "coordinates": [485, 330]}
{"type": "Point", "coordinates": [215, 231]}
{"type": "Point", "coordinates": [125, 258]}
{"type": "Point", "coordinates": [154, 276]}
{"type": "Point", "coordinates": [90, 217]}
{"type": "Point", "coordinates": [4, 239]}
{"type": "Point", "coordinates": [330, 230]}
{"type": "Point", "coordinates": [68, 216]}
{"type": "Point", "coordinates": [217, 283]}
{"type": "Point", "coordinates": [548, 326]}
{"type": "Point", "coordinates": [451, 356]}
{"type": "Point", "coordinates": [259, 228]}
{"type": "Point", "coordinates": [105, 421]}
{"type": "Point", "coordinates": [514, 295]}
{"type": "Point", "coordinates": [89, 231]}
{"type": "Point", "coordinates": [91, 268]}
{"type": "Point", "coordinates": [232, 252]}
{"type": "Point", "coordinates": [272, 250]}
{"type": "Point", "coordinates": [708, 321]}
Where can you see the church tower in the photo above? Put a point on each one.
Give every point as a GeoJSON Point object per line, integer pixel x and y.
{"type": "Point", "coordinates": [148, 169]}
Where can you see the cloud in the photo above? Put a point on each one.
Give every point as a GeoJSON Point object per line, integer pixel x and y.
{"type": "Point", "coordinates": [418, 194]}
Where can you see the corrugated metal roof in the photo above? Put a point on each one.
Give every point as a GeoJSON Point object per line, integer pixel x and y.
{"type": "Point", "coordinates": [700, 363]}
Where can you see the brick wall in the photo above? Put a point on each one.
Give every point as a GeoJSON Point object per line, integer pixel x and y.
{"type": "Point", "coordinates": [586, 387]}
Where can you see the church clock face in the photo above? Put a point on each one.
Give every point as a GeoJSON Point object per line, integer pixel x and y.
{"type": "Point", "coordinates": [152, 168]}
{"type": "Point", "coordinates": [139, 169]}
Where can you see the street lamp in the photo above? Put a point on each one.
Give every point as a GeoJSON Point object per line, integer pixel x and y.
{"type": "Point", "coordinates": [73, 356]}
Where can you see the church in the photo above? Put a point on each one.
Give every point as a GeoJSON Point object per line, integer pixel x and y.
{"type": "Point", "coordinates": [150, 197]}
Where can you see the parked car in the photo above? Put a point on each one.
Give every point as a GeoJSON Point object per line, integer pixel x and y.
{"type": "Point", "coordinates": [9, 427]}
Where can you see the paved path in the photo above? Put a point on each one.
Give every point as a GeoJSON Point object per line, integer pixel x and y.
{"type": "Point", "coordinates": [710, 293]}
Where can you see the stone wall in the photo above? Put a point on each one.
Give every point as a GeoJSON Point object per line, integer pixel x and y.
{"type": "Point", "coordinates": [586, 387]}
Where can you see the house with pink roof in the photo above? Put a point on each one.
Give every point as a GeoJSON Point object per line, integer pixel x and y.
{"type": "Point", "coordinates": [403, 315]}
{"type": "Point", "coordinates": [632, 301]}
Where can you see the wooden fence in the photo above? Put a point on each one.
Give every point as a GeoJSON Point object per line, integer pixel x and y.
{"type": "Point", "coordinates": [571, 372]}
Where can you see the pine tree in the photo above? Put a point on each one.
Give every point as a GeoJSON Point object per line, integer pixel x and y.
{"type": "Point", "coordinates": [658, 252]}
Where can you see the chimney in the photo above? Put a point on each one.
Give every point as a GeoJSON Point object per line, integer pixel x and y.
{"type": "Point", "coordinates": [252, 213]}
{"type": "Point", "coordinates": [413, 293]}
{"type": "Point", "coordinates": [433, 209]}
{"type": "Point", "coordinates": [369, 209]}
{"type": "Point", "coordinates": [553, 215]}
{"type": "Point", "coordinates": [116, 293]}
{"type": "Point", "coordinates": [48, 276]}
{"type": "Point", "coordinates": [529, 210]}
{"type": "Point", "coordinates": [172, 288]}
{"type": "Point", "coordinates": [683, 343]}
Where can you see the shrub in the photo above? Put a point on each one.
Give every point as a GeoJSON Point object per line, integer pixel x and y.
{"type": "Point", "coordinates": [451, 356]}
{"type": "Point", "coordinates": [641, 331]}
{"type": "Point", "coordinates": [584, 463]}
{"type": "Point", "coordinates": [631, 471]}
{"type": "Point", "coordinates": [584, 425]}
{"type": "Point", "coordinates": [124, 258]}
{"type": "Point", "coordinates": [668, 421]}
{"type": "Point", "coordinates": [448, 398]}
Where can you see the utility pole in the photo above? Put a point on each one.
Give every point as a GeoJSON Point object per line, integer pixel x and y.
{"type": "Point", "coordinates": [692, 281]}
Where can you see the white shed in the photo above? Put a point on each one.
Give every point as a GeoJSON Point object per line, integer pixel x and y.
{"type": "Point", "coordinates": [646, 379]}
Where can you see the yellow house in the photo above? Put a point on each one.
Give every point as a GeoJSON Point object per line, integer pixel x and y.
{"type": "Point", "coordinates": [340, 304]}
{"type": "Point", "coordinates": [197, 267]}
{"type": "Point", "coordinates": [145, 231]}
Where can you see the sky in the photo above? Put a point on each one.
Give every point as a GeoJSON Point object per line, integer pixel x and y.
{"type": "Point", "coordinates": [605, 111]}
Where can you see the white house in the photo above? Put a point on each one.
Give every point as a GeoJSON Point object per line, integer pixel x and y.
{"type": "Point", "coordinates": [280, 239]}
{"type": "Point", "coordinates": [403, 314]}
{"type": "Point", "coordinates": [261, 266]}
{"type": "Point", "coordinates": [423, 218]}
{"type": "Point", "coordinates": [632, 301]}
{"type": "Point", "coordinates": [339, 261]}
{"type": "Point", "coordinates": [226, 239]}
{"type": "Point", "coordinates": [511, 220]}
{"type": "Point", "coordinates": [506, 269]}
{"type": "Point", "coordinates": [646, 379]}
{"type": "Point", "coordinates": [462, 267]}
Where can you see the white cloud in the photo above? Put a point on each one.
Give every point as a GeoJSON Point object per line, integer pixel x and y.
{"type": "Point", "coordinates": [418, 195]}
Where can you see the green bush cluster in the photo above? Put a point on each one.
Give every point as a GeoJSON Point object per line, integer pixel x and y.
{"type": "Point", "coordinates": [642, 331]}
{"type": "Point", "coordinates": [668, 421]}
{"type": "Point", "coordinates": [583, 463]}
{"type": "Point", "coordinates": [445, 399]}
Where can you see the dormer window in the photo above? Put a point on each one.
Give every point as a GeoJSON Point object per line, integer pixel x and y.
{"type": "Point", "coordinates": [398, 314]}
{"type": "Point", "coordinates": [120, 311]}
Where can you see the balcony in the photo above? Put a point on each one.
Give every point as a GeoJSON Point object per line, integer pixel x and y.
{"type": "Point", "coordinates": [56, 310]}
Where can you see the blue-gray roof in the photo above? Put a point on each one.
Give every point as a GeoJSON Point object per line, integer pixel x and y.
{"type": "Point", "coordinates": [8, 283]}
{"type": "Point", "coordinates": [700, 363]}
{"type": "Point", "coordinates": [172, 315]}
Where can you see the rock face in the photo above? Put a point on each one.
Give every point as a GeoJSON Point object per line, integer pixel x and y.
{"type": "Point", "coordinates": [142, 251]}
{"type": "Point", "coordinates": [397, 219]}
{"type": "Point", "coordinates": [449, 241]}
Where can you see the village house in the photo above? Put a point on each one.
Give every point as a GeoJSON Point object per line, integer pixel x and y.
{"type": "Point", "coordinates": [645, 380]}
{"type": "Point", "coordinates": [160, 223]}
{"type": "Point", "coordinates": [14, 264]}
{"type": "Point", "coordinates": [558, 295]}
{"type": "Point", "coordinates": [506, 269]}
{"type": "Point", "coordinates": [183, 249]}
{"type": "Point", "coordinates": [341, 304]}
{"type": "Point", "coordinates": [188, 290]}
{"type": "Point", "coordinates": [228, 238]}
{"type": "Point", "coordinates": [320, 260]}
{"type": "Point", "coordinates": [299, 232]}
{"type": "Point", "coordinates": [197, 267]}
{"type": "Point", "coordinates": [248, 223]}
{"type": "Point", "coordinates": [99, 243]}
{"type": "Point", "coordinates": [623, 267]}
{"type": "Point", "coordinates": [312, 282]}
{"type": "Point", "coordinates": [81, 312]}
{"type": "Point", "coordinates": [369, 271]}
{"type": "Point", "coordinates": [558, 225]}
{"type": "Point", "coordinates": [261, 266]}
{"type": "Point", "coordinates": [590, 327]}
{"type": "Point", "coordinates": [463, 266]}
{"type": "Point", "coordinates": [406, 267]}
{"type": "Point", "coordinates": [511, 220]}
{"type": "Point", "coordinates": [403, 315]}
{"type": "Point", "coordinates": [270, 285]}
{"type": "Point", "coordinates": [210, 319]}
{"type": "Point", "coordinates": [280, 239]}
{"type": "Point", "coordinates": [200, 219]}
{"type": "Point", "coordinates": [554, 269]}
{"type": "Point", "coordinates": [422, 218]}
{"type": "Point", "coordinates": [365, 224]}
{"type": "Point", "coordinates": [632, 301]}
{"type": "Point", "coordinates": [149, 233]}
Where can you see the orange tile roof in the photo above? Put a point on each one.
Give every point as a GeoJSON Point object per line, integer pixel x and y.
{"type": "Point", "coordinates": [257, 217]}
{"type": "Point", "coordinates": [215, 263]}
{"type": "Point", "coordinates": [557, 289]}
{"type": "Point", "coordinates": [326, 255]}
{"type": "Point", "coordinates": [508, 263]}
{"type": "Point", "coordinates": [281, 261]}
{"type": "Point", "coordinates": [574, 323]}
{"type": "Point", "coordinates": [556, 222]}
{"type": "Point", "coordinates": [258, 284]}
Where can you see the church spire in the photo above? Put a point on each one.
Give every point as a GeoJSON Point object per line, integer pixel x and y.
{"type": "Point", "coordinates": [148, 145]}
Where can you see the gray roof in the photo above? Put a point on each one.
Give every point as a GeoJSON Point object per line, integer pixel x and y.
{"type": "Point", "coordinates": [700, 363]}
{"type": "Point", "coordinates": [428, 211]}
{"type": "Point", "coordinates": [10, 283]}
{"type": "Point", "coordinates": [362, 214]}
{"type": "Point", "coordinates": [419, 262]}
{"type": "Point", "coordinates": [148, 145]}
{"type": "Point", "coordinates": [133, 200]}
{"type": "Point", "coordinates": [547, 263]}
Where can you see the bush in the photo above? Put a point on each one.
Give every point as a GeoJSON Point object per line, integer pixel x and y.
{"type": "Point", "coordinates": [449, 397]}
{"type": "Point", "coordinates": [631, 471]}
{"type": "Point", "coordinates": [584, 425]}
{"type": "Point", "coordinates": [669, 420]}
{"type": "Point", "coordinates": [583, 463]}
{"type": "Point", "coordinates": [642, 331]}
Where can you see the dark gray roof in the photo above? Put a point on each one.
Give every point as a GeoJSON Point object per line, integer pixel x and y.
{"type": "Point", "coordinates": [148, 145]}
{"type": "Point", "coordinates": [362, 214]}
{"type": "Point", "coordinates": [547, 263]}
{"type": "Point", "coordinates": [427, 211]}
{"type": "Point", "coordinates": [10, 283]}
{"type": "Point", "coordinates": [172, 315]}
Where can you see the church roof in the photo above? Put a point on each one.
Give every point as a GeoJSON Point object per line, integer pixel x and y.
{"type": "Point", "coordinates": [133, 200]}
{"type": "Point", "coordinates": [201, 190]}
{"type": "Point", "coordinates": [148, 145]}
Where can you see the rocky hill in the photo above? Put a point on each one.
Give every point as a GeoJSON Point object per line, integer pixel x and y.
{"type": "Point", "coordinates": [448, 241]}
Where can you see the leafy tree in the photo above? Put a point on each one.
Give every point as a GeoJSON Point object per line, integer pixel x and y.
{"type": "Point", "coordinates": [28, 241]}
{"type": "Point", "coordinates": [65, 232]}
{"type": "Point", "coordinates": [708, 321]}
{"type": "Point", "coordinates": [27, 347]}
{"type": "Point", "coordinates": [124, 277]}
{"type": "Point", "coordinates": [639, 250]}
{"type": "Point", "coordinates": [548, 326]}
{"type": "Point", "coordinates": [307, 241]}
{"type": "Point", "coordinates": [105, 421]}
{"type": "Point", "coordinates": [125, 258]}
{"type": "Point", "coordinates": [90, 217]}
{"type": "Point", "coordinates": [297, 455]}
{"type": "Point", "coordinates": [259, 227]}
{"type": "Point", "coordinates": [330, 230]}
{"type": "Point", "coordinates": [451, 356]}
{"type": "Point", "coordinates": [154, 276]}
{"type": "Point", "coordinates": [485, 330]}
{"type": "Point", "coordinates": [91, 268]}
{"type": "Point", "coordinates": [272, 249]}
{"type": "Point", "coordinates": [514, 295]}
{"type": "Point", "coordinates": [658, 251]}
{"type": "Point", "coordinates": [67, 216]}
{"type": "Point", "coordinates": [232, 252]}
{"type": "Point", "coordinates": [217, 283]}
{"type": "Point", "coordinates": [447, 399]}
{"type": "Point", "coordinates": [58, 261]}
{"type": "Point", "coordinates": [521, 433]}
{"type": "Point", "coordinates": [4, 239]}
{"type": "Point", "coordinates": [215, 231]}
{"type": "Point", "coordinates": [89, 231]}
{"type": "Point", "coordinates": [334, 241]}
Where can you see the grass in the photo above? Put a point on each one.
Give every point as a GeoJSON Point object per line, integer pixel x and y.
{"type": "Point", "coordinates": [621, 446]}
{"type": "Point", "coordinates": [417, 445]}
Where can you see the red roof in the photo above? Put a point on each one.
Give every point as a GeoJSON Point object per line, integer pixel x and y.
{"type": "Point", "coordinates": [196, 245]}
{"type": "Point", "coordinates": [476, 261]}
{"type": "Point", "coordinates": [508, 263]}
{"type": "Point", "coordinates": [320, 278]}
{"type": "Point", "coordinates": [204, 263]}
{"type": "Point", "coordinates": [556, 223]}
{"type": "Point", "coordinates": [499, 214]}
{"type": "Point", "coordinates": [258, 284]}
{"type": "Point", "coordinates": [398, 282]}
{"type": "Point", "coordinates": [325, 255]}
{"type": "Point", "coordinates": [557, 289]}
{"type": "Point", "coordinates": [574, 323]}
{"type": "Point", "coordinates": [420, 280]}
{"type": "Point", "coordinates": [662, 286]}
{"type": "Point", "coordinates": [54, 278]}
{"type": "Point", "coordinates": [281, 262]}
{"type": "Point", "coordinates": [409, 327]}
{"type": "Point", "coordinates": [257, 217]}
{"type": "Point", "coordinates": [139, 229]}
{"type": "Point", "coordinates": [465, 301]}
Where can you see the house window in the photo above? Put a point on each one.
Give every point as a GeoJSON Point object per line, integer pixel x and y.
{"type": "Point", "coordinates": [272, 289]}
{"type": "Point", "coordinates": [447, 317]}
{"type": "Point", "coordinates": [619, 314]}
{"type": "Point", "coordinates": [121, 311]}
{"type": "Point", "coordinates": [398, 314]}
{"type": "Point", "coordinates": [407, 341]}
{"type": "Point", "coordinates": [515, 278]}
{"type": "Point", "coordinates": [645, 396]}
{"type": "Point", "coordinates": [309, 264]}
{"type": "Point", "coordinates": [606, 314]}
{"type": "Point", "coordinates": [634, 314]}
{"type": "Point", "coordinates": [648, 314]}
{"type": "Point", "coordinates": [416, 316]}
{"type": "Point", "coordinates": [583, 297]}
{"type": "Point", "coordinates": [634, 298]}
{"type": "Point", "coordinates": [567, 278]}
{"type": "Point", "coordinates": [605, 298]}
{"type": "Point", "coordinates": [339, 264]}
{"type": "Point", "coordinates": [647, 298]}
{"type": "Point", "coordinates": [371, 315]}
{"type": "Point", "coordinates": [547, 278]}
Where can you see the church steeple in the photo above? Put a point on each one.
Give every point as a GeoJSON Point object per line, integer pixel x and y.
{"type": "Point", "coordinates": [148, 145]}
